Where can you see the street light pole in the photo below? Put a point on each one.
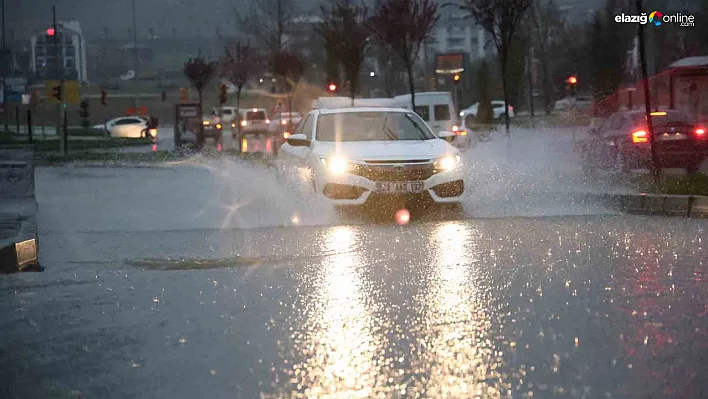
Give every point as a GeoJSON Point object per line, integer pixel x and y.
{"type": "Point", "coordinates": [135, 50]}
{"type": "Point", "coordinates": [4, 69]}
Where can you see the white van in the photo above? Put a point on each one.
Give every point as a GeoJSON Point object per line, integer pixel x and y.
{"type": "Point", "coordinates": [435, 107]}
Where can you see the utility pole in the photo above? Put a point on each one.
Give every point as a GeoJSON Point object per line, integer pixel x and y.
{"type": "Point", "coordinates": [4, 69]}
{"type": "Point", "coordinates": [529, 65]}
{"type": "Point", "coordinates": [647, 99]}
{"type": "Point", "coordinates": [59, 72]}
{"type": "Point", "coordinates": [136, 58]}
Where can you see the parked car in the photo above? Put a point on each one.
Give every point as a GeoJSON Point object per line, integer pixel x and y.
{"type": "Point", "coordinates": [573, 103]}
{"type": "Point", "coordinates": [622, 142]}
{"type": "Point", "coordinates": [497, 109]}
{"type": "Point", "coordinates": [128, 127]}
{"type": "Point", "coordinates": [354, 154]}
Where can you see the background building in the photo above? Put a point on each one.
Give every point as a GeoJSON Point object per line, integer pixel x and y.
{"type": "Point", "coordinates": [68, 61]}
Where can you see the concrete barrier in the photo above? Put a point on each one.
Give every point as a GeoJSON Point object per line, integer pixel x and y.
{"type": "Point", "coordinates": [19, 248]}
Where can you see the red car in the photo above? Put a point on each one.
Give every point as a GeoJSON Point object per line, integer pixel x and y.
{"type": "Point", "coordinates": [621, 142]}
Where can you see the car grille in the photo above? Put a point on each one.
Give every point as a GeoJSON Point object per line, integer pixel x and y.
{"type": "Point", "coordinates": [393, 172]}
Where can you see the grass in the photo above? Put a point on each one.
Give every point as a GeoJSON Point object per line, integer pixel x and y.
{"type": "Point", "coordinates": [130, 157]}
{"type": "Point", "coordinates": [87, 132]}
{"type": "Point", "coordinates": [142, 157]}
{"type": "Point", "coordinates": [10, 141]}
{"type": "Point", "coordinates": [692, 184]}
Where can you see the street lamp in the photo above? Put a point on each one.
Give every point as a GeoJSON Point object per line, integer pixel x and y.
{"type": "Point", "coordinates": [372, 74]}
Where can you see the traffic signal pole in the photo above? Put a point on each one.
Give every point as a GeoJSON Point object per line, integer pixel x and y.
{"type": "Point", "coordinates": [61, 133]}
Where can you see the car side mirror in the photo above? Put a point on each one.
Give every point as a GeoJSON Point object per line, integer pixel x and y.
{"type": "Point", "coordinates": [298, 140]}
{"type": "Point", "coordinates": [447, 136]}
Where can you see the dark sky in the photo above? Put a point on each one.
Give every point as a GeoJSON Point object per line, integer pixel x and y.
{"type": "Point", "coordinates": [185, 17]}
{"type": "Point", "coordinates": [167, 17]}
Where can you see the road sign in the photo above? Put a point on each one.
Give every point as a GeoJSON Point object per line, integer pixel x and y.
{"type": "Point", "coordinates": [450, 63]}
{"type": "Point", "coordinates": [188, 110]}
{"type": "Point", "coordinates": [71, 91]}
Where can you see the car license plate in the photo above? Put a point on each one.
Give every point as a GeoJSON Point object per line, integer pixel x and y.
{"type": "Point", "coordinates": [672, 136]}
{"type": "Point", "coordinates": [399, 187]}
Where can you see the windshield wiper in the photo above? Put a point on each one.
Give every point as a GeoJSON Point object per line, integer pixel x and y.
{"type": "Point", "coordinates": [418, 130]}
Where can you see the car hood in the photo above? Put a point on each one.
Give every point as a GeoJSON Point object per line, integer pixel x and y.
{"type": "Point", "coordinates": [386, 150]}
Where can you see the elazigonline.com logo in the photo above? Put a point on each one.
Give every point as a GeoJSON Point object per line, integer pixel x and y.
{"type": "Point", "coordinates": [657, 18]}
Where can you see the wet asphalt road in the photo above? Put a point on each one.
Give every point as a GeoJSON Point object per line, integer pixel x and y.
{"type": "Point", "coordinates": [198, 280]}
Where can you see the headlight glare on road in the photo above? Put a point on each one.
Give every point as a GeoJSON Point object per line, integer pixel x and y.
{"type": "Point", "coordinates": [448, 162]}
{"type": "Point", "coordinates": [336, 165]}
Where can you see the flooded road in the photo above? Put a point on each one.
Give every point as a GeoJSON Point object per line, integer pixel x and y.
{"type": "Point", "coordinates": [209, 279]}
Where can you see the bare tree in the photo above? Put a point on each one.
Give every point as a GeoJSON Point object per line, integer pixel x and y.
{"type": "Point", "coordinates": [288, 67]}
{"type": "Point", "coordinates": [199, 71]}
{"type": "Point", "coordinates": [266, 22]}
{"type": "Point", "coordinates": [238, 64]}
{"type": "Point", "coordinates": [500, 18]}
{"type": "Point", "coordinates": [346, 38]}
{"type": "Point", "coordinates": [403, 25]}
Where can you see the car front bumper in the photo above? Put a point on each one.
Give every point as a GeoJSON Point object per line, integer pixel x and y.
{"type": "Point", "coordinates": [351, 189]}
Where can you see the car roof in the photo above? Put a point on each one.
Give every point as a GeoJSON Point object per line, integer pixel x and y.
{"type": "Point", "coordinates": [326, 111]}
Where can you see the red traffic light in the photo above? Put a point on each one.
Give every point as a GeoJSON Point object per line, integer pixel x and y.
{"type": "Point", "coordinates": [572, 80]}
{"type": "Point", "coordinates": [50, 32]}
{"type": "Point", "coordinates": [332, 87]}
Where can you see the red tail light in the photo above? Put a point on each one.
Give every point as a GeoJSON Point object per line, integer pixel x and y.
{"type": "Point", "coordinates": [701, 133]}
{"type": "Point", "coordinates": [511, 108]}
{"type": "Point", "coordinates": [639, 136]}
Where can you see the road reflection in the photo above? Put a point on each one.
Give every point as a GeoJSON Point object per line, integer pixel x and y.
{"type": "Point", "coordinates": [339, 347]}
{"type": "Point", "coordinates": [460, 358]}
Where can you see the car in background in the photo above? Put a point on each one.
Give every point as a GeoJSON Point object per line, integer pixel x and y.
{"type": "Point", "coordinates": [352, 155]}
{"type": "Point", "coordinates": [227, 114]}
{"type": "Point", "coordinates": [573, 103]}
{"type": "Point", "coordinates": [438, 111]}
{"type": "Point", "coordinates": [128, 127]}
{"type": "Point", "coordinates": [280, 122]}
{"type": "Point", "coordinates": [621, 142]}
{"type": "Point", "coordinates": [254, 121]}
{"type": "Point", "coordinates": [214, 125]}
{"type": "Point", "coordinates": [498, 110]}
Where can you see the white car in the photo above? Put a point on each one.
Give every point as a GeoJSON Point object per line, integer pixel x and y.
{"type": "Point", "coordinates": [497, 109]}
{"type": "Point", "coordinates": [254, 120]}
{"type": "Point", "coordinates": [282, 119]}
{"type": "Point", "coordinates": [127, 126]}
{"type": "Point", "coordinates": [351, 154]}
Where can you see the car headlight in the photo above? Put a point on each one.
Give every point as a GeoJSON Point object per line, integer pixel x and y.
{"type": "Point", "coordinates": [336, 165]}
{"type": "Point", "coordinates": [448, 162]}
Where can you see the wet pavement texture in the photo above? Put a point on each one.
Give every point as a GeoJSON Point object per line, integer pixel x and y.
{"type": "Point", "coordinates": [209, 279]}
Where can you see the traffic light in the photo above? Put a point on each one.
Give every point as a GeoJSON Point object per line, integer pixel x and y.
{"type": "Point", "coordinates": [222, 94]}
{"type": "Point", "coordinates": [50, 32]}
{"type": "Point", "coordinates": [456, 78]}
{"type": "Point", "coordinates": [183, 94]}
{"type": "Point", "coordinates": [332, 87]}
{"type": "Point", "coordinates": [56, 92]}
{"type": "Point", "coordinates": [104, 98]}
{"type": "Point", "coordinates": [571, 84]}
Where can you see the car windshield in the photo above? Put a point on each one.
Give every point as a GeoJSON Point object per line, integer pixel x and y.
{"type": "Point", "coordinates": [371, 126]}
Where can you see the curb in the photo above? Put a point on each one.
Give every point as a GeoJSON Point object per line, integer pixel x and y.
{"type": "Point", "coordinates": [689, 206]}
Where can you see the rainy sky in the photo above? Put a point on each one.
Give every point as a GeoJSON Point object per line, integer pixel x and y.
{"type": "Point", "coordinates": [113, 18]}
